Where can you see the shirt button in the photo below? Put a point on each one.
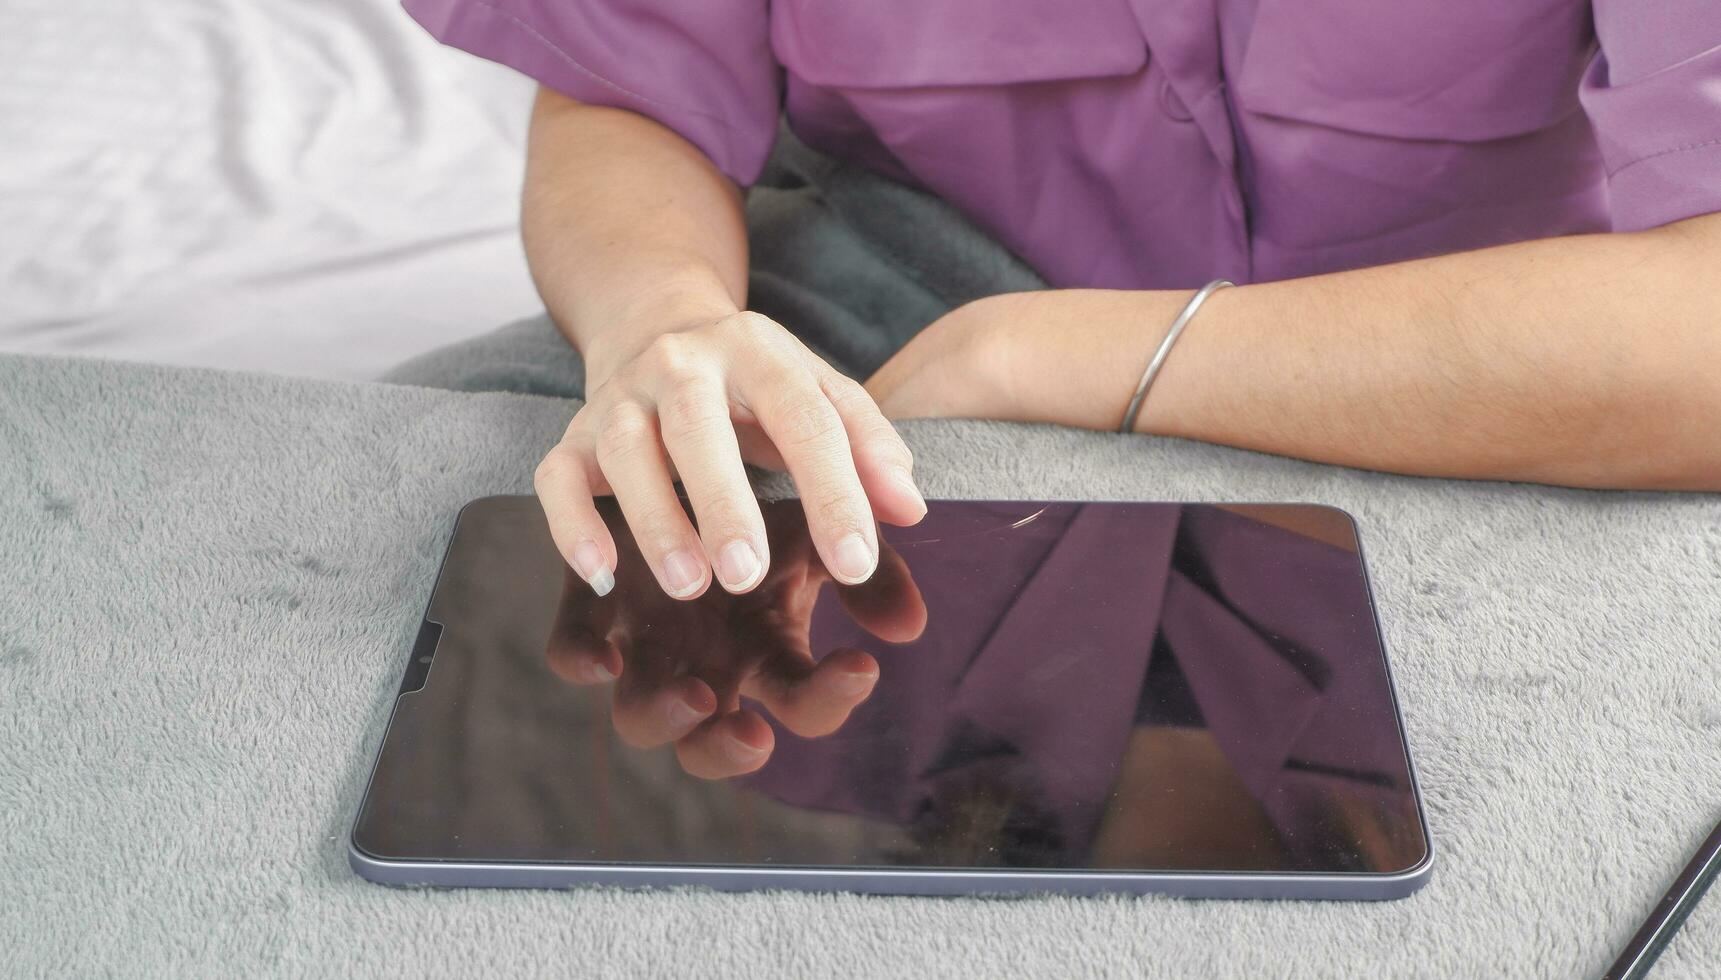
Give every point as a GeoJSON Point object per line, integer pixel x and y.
{"type": "Point", "coordinates": [1173, 105]}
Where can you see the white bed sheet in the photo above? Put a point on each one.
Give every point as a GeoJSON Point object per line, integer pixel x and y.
{"type": "Point", "coordinates": [309, 187]}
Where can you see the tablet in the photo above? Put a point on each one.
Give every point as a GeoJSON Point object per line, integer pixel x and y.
{"type": "Point", "coordinates": [1027, 696]}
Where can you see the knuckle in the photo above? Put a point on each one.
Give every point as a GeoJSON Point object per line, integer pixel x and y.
{"type": "Point", "coordinates": [833, 508]}
{"type": "Point", "coordinates": [868, 425]}
{"type": "Point", "coordinates": [660, 531]}
{"type": "Point", "coordinates": [665, 526]}
{"type": "Point", "coordinates": [904, 455]}
{"type": "Point", "coordinates": [804, 421]}
{"type": "Point", "coordinates": [581, 420]}
{"type": "Point", "coordinates": [579, 432]}
{"type": "Point", "coordinates": [727, 519]}
{"type": "Point", "coordinates": [848, 391]}
{"type": "Point", "coordinates": [546, 472]}
{"type": "Point", "coordinates": [883, 438]}
{"type": "Point", "coordinates": [753, 324]}
{"type": "Point", "coordinates": [760, 336]}
{"type": "Point", "coordinates": [623, 431]}
{"type": "Point", "coordinates": [691, 401]}
{"type": "Point", "coordinates": [892, 451]}
{"type": "Point", "coordinates": [873, 428]}
{"type": "Point", "coordinates": [556, 464]}
{"type": "Point", "coordinates": [767, 379]}
{"type": "Point", "coordinates": [862, 409]}
{"type": "Point", "coordinates": [668, 354]}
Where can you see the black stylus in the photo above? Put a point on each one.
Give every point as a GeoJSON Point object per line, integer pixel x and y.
{"type": "Point", "coordinates": [1669, 913]}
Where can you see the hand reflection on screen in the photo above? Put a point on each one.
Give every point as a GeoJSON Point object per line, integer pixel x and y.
{"type": "Point", "coordinates": [680, 668]}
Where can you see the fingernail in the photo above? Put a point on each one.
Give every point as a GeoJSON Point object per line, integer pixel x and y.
{"type": "Point", "coordinates": [589, 563]}
{"type": "Point", "coordinates": [683, 716]}
{"type": "Point", "coordinates": [601, 672]}
{"type": "Point", "coordinates": [738, 566]}
{"type": "Point", "coordinates": [853, 560]}
{"type": "Point", "coordinates": [906, 481]}
{"type": "Point", "coordinates": [741, 751]}
{"type": "Point", "coordinates": [852, 681]}
{"type": "Point", "coordinates": [682, 574]}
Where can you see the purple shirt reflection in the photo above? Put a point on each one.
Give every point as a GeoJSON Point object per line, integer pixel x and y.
{"type": "Point", "coordinates": [1034, 669]}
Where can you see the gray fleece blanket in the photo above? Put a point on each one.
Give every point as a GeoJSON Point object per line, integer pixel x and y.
{"type": "Point", "coordinates": [207, 582]}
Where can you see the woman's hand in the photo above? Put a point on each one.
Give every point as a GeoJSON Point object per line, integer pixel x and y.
{"type": "Point", "coordinates": [680, 669]}
{"type": "Point", "coordinates": [695, 402]}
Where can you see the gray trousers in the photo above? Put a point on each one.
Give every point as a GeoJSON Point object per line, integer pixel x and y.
{"type": "Point", "coordinates": [853, 263]}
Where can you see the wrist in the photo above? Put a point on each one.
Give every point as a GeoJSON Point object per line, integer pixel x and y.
{"type": "Point", "coordinates": [998, 353]}
{"type": "Point", "coordinates": [629, 326]}
{"type": "Point", "coordinates": [1073, 356]}
{"type": "Point", "coordinates": [1194, 366]}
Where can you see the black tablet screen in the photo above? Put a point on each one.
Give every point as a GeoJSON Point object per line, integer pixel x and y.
{"type": "Point", "coordinates": [1058, 685]}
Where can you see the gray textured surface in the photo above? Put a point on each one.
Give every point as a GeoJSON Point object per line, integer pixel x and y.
{"type": "Point", "coordinates": [207, 581]}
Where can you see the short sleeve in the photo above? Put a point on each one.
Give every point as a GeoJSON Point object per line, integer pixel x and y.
{"type": "Point", "coordinates": [1653, 94]}
{"type": "Point", "coordinates": [701, 67]}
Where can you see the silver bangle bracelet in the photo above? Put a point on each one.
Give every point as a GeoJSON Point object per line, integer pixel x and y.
{"type": "Point", "coordinates": [1159, 355]}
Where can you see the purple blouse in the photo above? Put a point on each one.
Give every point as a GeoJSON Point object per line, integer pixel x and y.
{"type": "Point", "coordinates": [1161, 143]}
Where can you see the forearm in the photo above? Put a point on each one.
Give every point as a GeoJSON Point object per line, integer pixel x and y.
{"type": "Point", "coordinates": [1589, 361]}
{"type": "Point", "coordinates": [628, 228]}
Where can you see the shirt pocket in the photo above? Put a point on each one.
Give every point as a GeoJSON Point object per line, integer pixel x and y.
{"type": "Point", "coordinates": [867, 44]}
{"type": "Point", "coordinates": [1461, 70]}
